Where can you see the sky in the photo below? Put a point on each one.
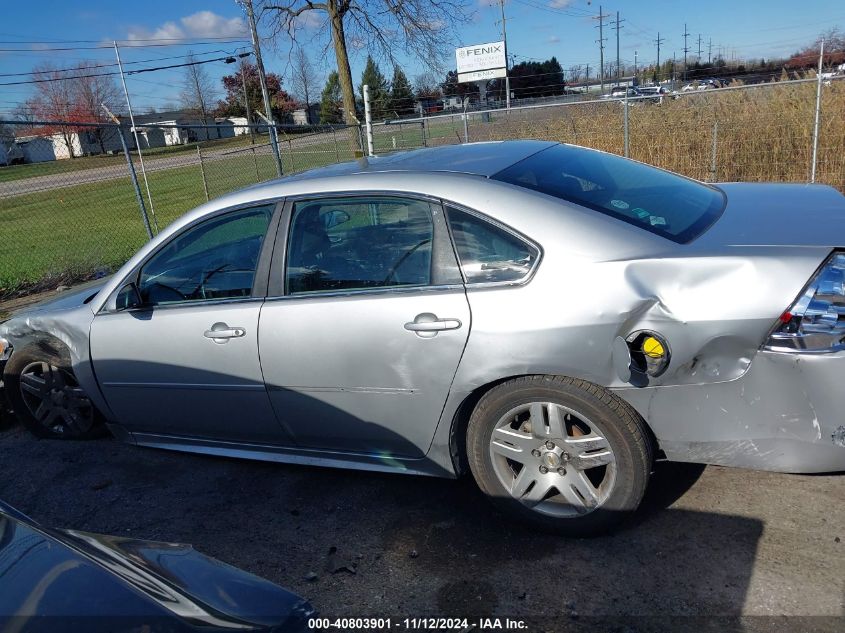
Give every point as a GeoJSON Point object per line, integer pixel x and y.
{"type": "Point", "coordinates": [536, 29]}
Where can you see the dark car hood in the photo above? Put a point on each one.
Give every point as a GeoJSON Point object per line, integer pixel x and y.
{"type": "Point", "coordinates": [66, 299]}
{"type": "Point", "coordinates": [769, 214]}
{"type": "Point", "coordinates": [62, 580]}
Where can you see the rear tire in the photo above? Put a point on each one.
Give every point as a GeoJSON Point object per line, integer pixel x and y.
{"type": "Point", "coordinates": [46, 397]}
{"type": "Point", "coordinates": [561, 453]}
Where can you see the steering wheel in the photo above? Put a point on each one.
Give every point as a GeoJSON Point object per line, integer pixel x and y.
{"type": "Point", "coordinates": [199, 291]}
{"type": "Point", "coordinates": [392, 272]}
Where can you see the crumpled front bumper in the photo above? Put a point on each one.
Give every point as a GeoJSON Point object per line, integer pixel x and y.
{"type": "Point", "coordinates": [786, 413]}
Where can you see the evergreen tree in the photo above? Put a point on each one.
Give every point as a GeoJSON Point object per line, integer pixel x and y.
{"type": "Point", "coordinates": [401, 94]}
{"type": "Point", "coordinates": [379, 93]}
{"type": "Point", "coordinates": [331, 108]}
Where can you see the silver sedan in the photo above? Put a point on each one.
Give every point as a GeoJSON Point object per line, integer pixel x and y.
{"type": "Point", "coordinates": [550, 318]}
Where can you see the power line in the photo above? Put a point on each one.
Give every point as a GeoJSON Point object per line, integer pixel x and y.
{"type": "Point", "coordinates": [130, 72]}
{"type": "Point", "coordinates": [82, 65]}
{"type": "Point", "coordinates": [96, 48]}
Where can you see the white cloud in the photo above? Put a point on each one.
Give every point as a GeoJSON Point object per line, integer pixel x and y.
{"type": "Point", "coordinates": [554, 39]}
{"type": "Point", "coordinates": [559, 4]}
{"type": "Point", "coordinates": [197, 25]}
{"type": "Point", "coordinates": [209, 24]}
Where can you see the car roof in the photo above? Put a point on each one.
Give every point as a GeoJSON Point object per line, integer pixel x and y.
{"type": "Point", "coordinates": [480, 159]}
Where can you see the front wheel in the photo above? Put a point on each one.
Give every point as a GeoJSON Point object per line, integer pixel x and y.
{"type": "Point", "coordinates": [47, 398]}
{"type": "Point", "coordinates": [562, 453]}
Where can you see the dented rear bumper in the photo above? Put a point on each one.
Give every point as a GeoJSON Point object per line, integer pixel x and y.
{"type": "Point", "coordinates": [786, 413]}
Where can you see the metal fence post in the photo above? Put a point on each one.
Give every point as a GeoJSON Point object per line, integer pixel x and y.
{"type": "Point", "coordinates": [134, 178]}
{"type": "Point", "coordinates": [368, 120]}
{"type": "Point", "coordinates": [424, 139]}
{"type": "Point", "coordinates": [202, 171]}
{"type": "Point", "coordinates": [713, 153]}
{"type": "Point", "coordinates": [255, 162]}
{"type": "Point", "coordinates": [361, 140]}
{"type": "Point", "coordinates": [336, 148]}
{"type": "Point", "coordinates": [818, 112]}
{"type": "Point", "coordinates": [625, 108]}
{"type": "Point", "coordinates": [466, 123]}
{"type": "Point", "coordinates": [290, 153]}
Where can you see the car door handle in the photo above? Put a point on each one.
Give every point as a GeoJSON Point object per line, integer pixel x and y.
{"type": "Point", "coordinates": [427, 324]}
{"type": "Point", "coordinates": [221, 333]}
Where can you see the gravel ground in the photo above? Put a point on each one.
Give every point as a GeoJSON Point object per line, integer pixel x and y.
{"type": "Point", "coordinates": [708, 542]}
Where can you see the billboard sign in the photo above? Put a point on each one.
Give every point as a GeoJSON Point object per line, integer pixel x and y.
{"type": "Point", "coordinates": [481, 61]}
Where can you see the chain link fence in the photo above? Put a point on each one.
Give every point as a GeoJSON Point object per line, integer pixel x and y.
{"type": "Point", "coordinates": [66, 219]}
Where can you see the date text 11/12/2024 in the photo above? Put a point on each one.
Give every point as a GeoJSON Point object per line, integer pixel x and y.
{"type": "Point", "coordinates": [417, 624]}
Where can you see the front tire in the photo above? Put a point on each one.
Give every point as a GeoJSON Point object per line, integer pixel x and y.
{"type": "Point", "coordinates": [47, 398]}
{"type": "Point", "coordinates": [561, 453]}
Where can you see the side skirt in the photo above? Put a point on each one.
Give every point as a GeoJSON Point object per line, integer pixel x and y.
{"type": "Point", "coordinates": [291, 455]}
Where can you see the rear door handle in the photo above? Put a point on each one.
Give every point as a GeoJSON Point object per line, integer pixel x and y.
{"type": "Point", "coordinates": [221, 332]}
{"type": "Point", "coordinates": [428, 325]}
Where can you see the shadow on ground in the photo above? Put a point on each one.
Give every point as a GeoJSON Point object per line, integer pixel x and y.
{"type": "Point", "coordinates": [363, 544]}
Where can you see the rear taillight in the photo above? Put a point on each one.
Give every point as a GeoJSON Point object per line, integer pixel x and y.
{"type": "Point", "coordinates": [816, 321]}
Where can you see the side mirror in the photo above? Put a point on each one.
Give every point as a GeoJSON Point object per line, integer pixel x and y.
{"type": "Point", "coordinates": [126, 298]}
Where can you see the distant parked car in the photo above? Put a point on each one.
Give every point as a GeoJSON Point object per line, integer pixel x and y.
{"type": "Point", "coordinates": [619, 92]}
{"type": "Point", "coordinates": [547, 317]}
{"type": "Point", "coordinates": [655, 92]}
{"type": "Point", "coordinates": [64, 581]}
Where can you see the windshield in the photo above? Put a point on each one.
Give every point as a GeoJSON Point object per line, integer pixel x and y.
{"type": "Point", "coordinates": [655, 200]}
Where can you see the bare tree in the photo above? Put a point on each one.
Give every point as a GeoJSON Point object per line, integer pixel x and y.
{"type": "Point", "coordinates": [574, 73]}
{"type": "Point", "coordinates": [304, 80]}
{"type": "Point", "coordinates": [90, 90]}
{"type": "Point", "coordinates": [54, 102]}
{"type": "Point", "coordinates": [197, 92]}
{"type": "Point", "coordinates": [420, 27]}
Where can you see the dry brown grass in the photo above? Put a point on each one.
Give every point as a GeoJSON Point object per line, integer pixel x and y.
{"type": "Point", "coordinates": [764, 133]}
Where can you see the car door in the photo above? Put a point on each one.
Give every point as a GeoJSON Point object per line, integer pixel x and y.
{"type": "Point", "coordinates": [184, 361]}
{"type": "Point", "coordinates": [363, 337]}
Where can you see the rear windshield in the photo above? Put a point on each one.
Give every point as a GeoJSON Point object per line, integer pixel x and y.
{"type": "Point", "coordinates": [655, 200]}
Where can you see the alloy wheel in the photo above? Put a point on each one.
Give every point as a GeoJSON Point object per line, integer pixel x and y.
{"type": "Point", "coordinates": [55, 399]}
{"type": "Point", "coordinates": [553, 459]}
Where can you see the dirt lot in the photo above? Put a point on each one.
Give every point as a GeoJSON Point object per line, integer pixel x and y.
{"type": "Point", "coordinates": [709, 542]}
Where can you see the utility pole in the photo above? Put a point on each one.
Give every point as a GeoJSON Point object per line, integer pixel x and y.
{"type": "Point", "coordinates": [618, 26]}
{"type": "Point", "coordinates": [699, 48]}
{"type": "Point", "coordinates": [710, 52]}
{"type": "Point", "coordinates": [505, 38]}
{"type": "Point", "coordinates": [263, 79]}
{"type": "Point", "coordinates": [635, 63]}
{"type": "Point", "coordinates": [659, 41]}
{"type": "Point", "coordinates": [601, 42]}
{"type": "Point", "coordinates": [135, 133]}
{"type": "Point", "coordinates": [686, 50]}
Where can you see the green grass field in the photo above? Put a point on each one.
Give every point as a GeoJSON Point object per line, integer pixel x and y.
{"type": "Point", "coordinates": [72, 231]}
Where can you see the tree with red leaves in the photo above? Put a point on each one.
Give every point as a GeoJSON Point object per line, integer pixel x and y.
{"type": "Point", "coordinates": [233, 105]}
{"type": "Point", "coordinates": [834, 52]}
